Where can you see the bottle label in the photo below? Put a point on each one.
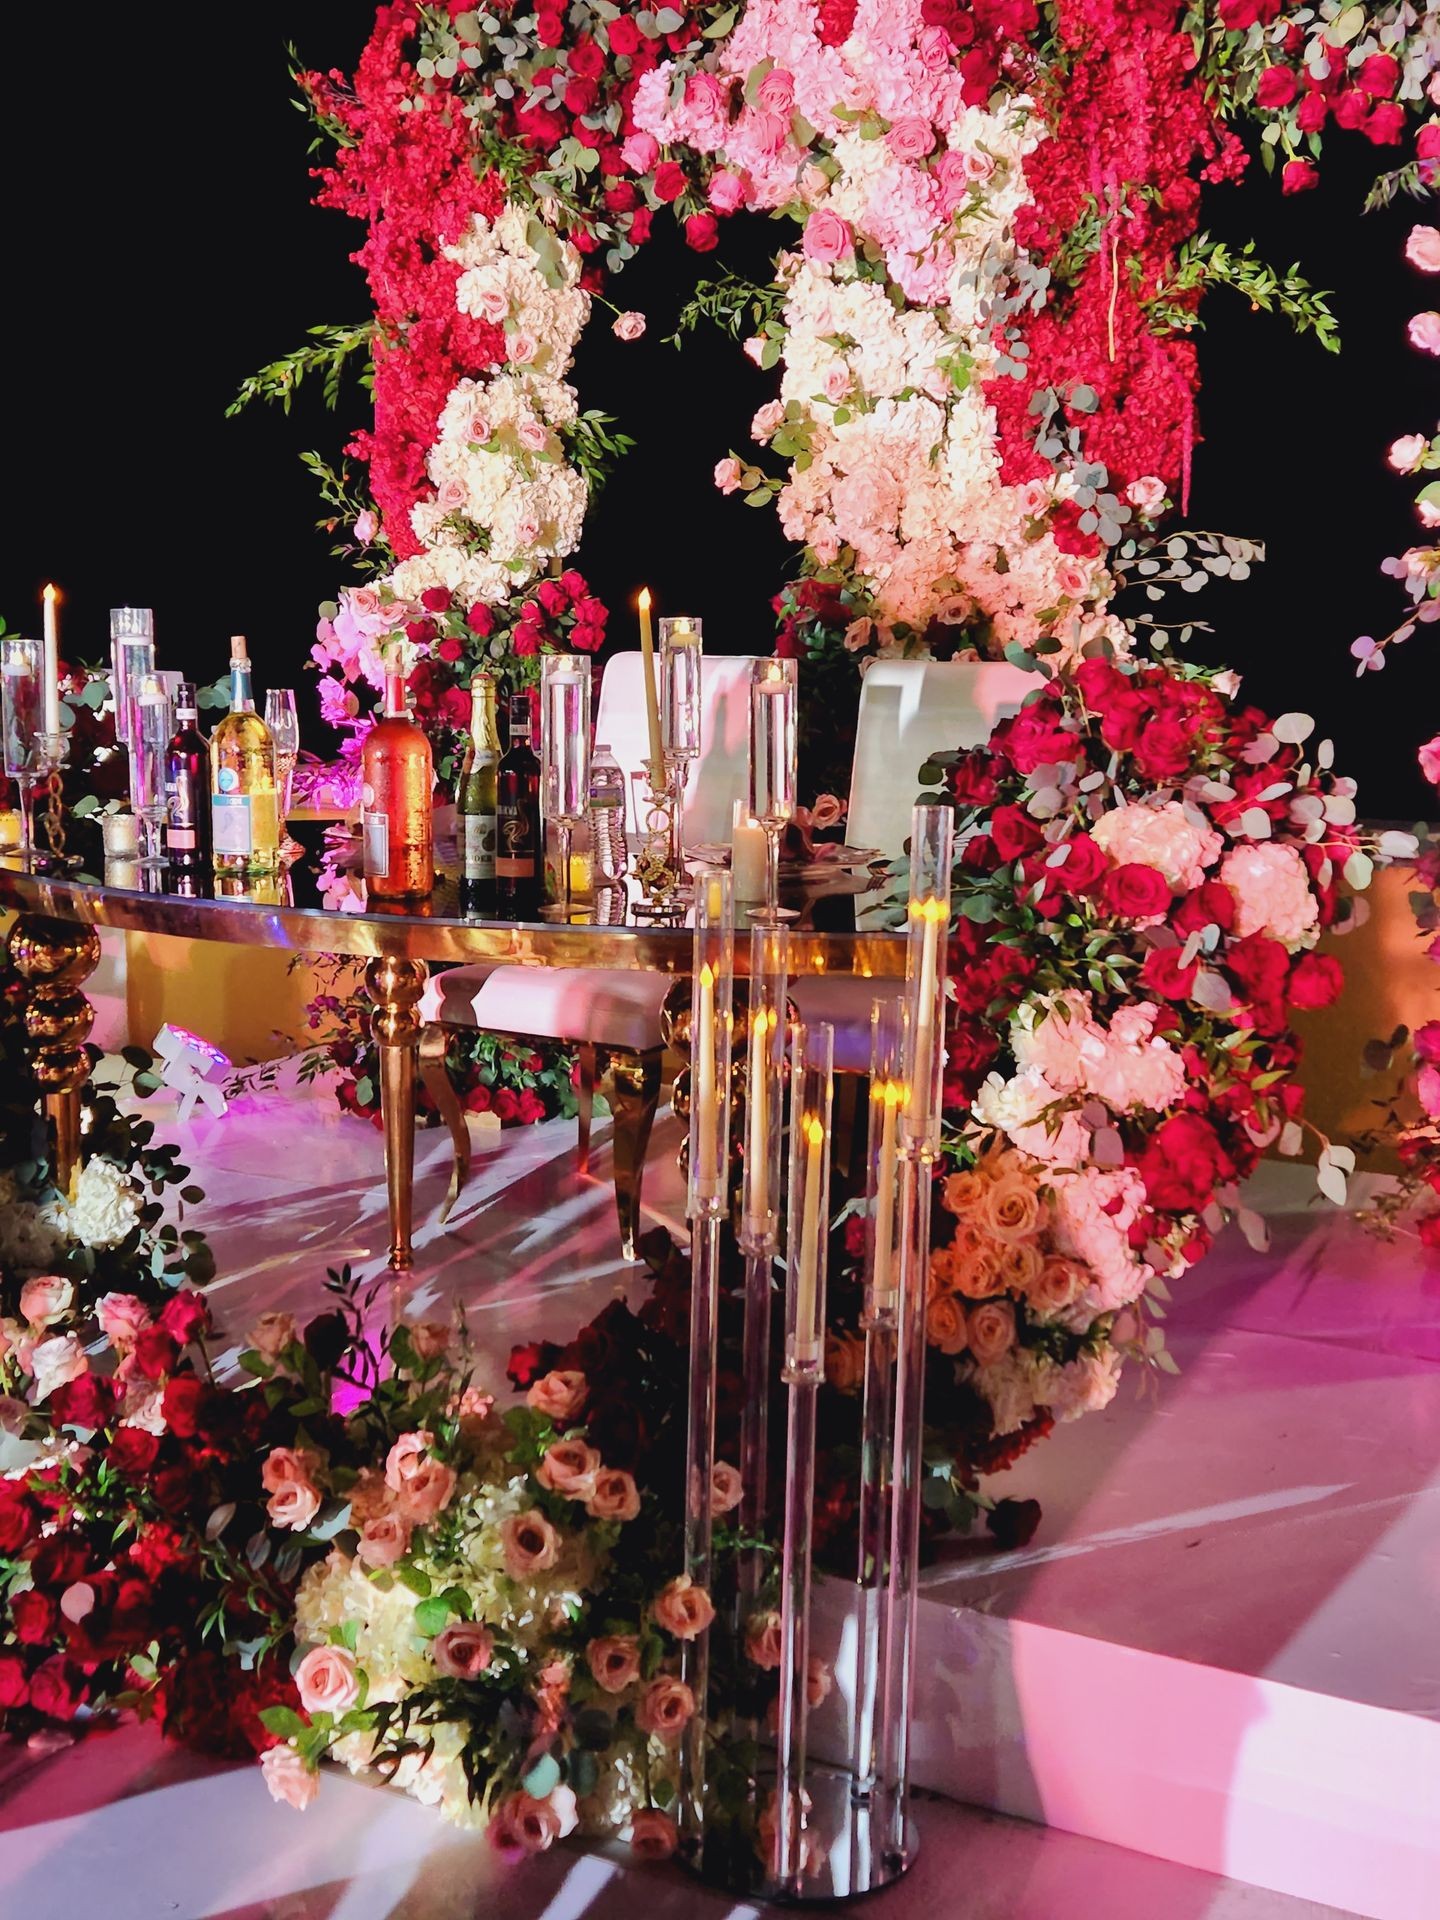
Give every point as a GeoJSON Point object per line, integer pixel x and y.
{"type": "Point", "coordinates": [375, 829]}
{"type": "Point", "coordinates": [477, 852]}
{"type": "Point", "coordinates": [230, 813]}
{"type": "Point", "coordinates": [515, 854]}
{"type": "Point", "coordinates": [181, 839]}
{"type": "Point", "coordinates": [227, 779]}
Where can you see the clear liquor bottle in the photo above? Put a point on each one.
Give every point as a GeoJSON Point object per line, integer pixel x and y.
{"type": "Point", "coordinates": [398, 793]}
{"type": "Point", "coordinates": [244, 809]}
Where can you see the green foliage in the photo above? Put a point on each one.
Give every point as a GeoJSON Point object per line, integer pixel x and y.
{"type": "Point", "coordinates": [595, 447]}
{"type": "Point", "coordinates": [328, 354]}
{"type": "Point", "coordinates": [738, 306]}
{"type": "Point", "coordinates": [1206, 262]}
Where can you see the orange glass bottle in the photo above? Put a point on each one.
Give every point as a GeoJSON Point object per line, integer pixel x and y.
{"type": "Point", "coordinates": [397, 819]}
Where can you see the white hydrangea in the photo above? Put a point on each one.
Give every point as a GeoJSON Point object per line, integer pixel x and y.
{"type": "Point", "coordinates": [105, 1208]}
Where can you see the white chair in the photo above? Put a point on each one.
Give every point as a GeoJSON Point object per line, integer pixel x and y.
{"type": "Point", "coordinates": [612, 1016]}
{"type": "Point", "coordinates": [909, 709]}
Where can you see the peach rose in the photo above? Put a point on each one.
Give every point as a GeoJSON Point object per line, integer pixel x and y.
{"type": "Point", "coordinates": [429, 1338]}
{"type": "Point", "coordinates": [369, 1497]}
{"type": "Point", "coordinates": [652, 1834]}
{"type": "Point", "coordinates": [462, 1650]}
{"type": "Point", "coordinates": [271, 1334]}
{"type": "Point", "coordinates": [616, 1496]}
{"type": "Point", "coordinates": [962, 1192]}
{"type": "Point", "coordinates": [725, 1488]}
{"type": "Point", "coordinates": [284, 1465]}
{"type": "Point", "coordinates": [326, 1681]}
{"type": "Point", "coordinates": [521, 1824]}
{"type": "Point", "coordinates": [406, 1457]}
{"type": "Point", "coordinates": [844, 1361]}
{"type": "Point", "coordinates": [978, 1275]}
{"type": "Point", "coordinates": [1010, 1208]}
{"type": "Point", "coordinates": [991, 1330]}
{"type": "Point", "coordinates": [945, 1323]}
{"type": "Point", "coordinates": [383, 1540]}
{"type": "Point", "coordinates": [569, 1469]}
{"type": "Point", "coordinates": [1020, 1266]}
{"type": "Point", "coordinates": [614, 1661]}
{"type": "Point", "coordinates": [293, 1505]}
{"type": "Point", "coordinates": [665, 1708]}
{"type": "Point", "coordinates": [123, 1318]}
{"type": "Point", "coordinates": [560, 1395]}
{"type": "Point", "coordinates": [682, 1608]}
{"type": "Point", "coordinates": [1058, 1285]}
{"type": "Point", "coordinates": [427, 1492]}
{"type": "Point", "coordinates": [630, 325]}
{"type": "Point", "coordinates": [529, 1542]}
{"type": "Point", "coordinates": [290, 1781]}
{"type": "Point", "coordinates": [762, 1639]}
{"type": "Point", "coordinates": [819, 1681]}
{"type": "Point", "coordinates": [44, 1298]}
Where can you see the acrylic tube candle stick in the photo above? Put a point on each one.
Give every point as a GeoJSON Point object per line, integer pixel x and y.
{"type": "Point", "coordinates": [888, 1096]}
{"type": "Point", "coordinates": [704, 1093]}
{"type": "Point", "coordinates": [652, 694]}
{"type": "Point", "coordinates": [50, 664]}
{"type": "Point", "coordinates": [806, 1336]}
{"type": "Point", "coordinates": [930, 913]}
{"type": "Point", "coordinates": [757, 1145]}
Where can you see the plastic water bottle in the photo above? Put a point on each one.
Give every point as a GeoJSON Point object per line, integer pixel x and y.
{"type": "Point", "coordinates": [607, 816]}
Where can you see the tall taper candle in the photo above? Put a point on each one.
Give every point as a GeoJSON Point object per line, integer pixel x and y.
{"type": "Point", "coordinates": [652, 694]}
{"type": "Point", "coordinates": [50, 664]}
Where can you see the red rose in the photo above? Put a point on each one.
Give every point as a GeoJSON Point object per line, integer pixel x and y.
{"type": "Point", "coordinates": [185, 1316]}
{"type": "Point", "coordinates": [1312, 113]}
{"type": "Point", "coordinates": [549, 27]}
{"type": "Point", "coordinates": [1315, 980]}
{"type": "Point", "coordinates": [587, 639]}
{"type": "Point", "coordinates": [35, 1618]}
{"type": "Point", "coordinates": [132, 1451]}
{"type": "Point", "coordinates": [1351, 110]}
{"type": "Point", "coordinates": [58, 1560]}
{"type": "Point", "coordinates": [623, 35]}
{"type": "Point", "coordinates": [1162, 752]}
{"type": "Point", "coordinates": [480, 620]}
{"type": "Point", "coordinates": [420, 632]}
{"type": "Point", "coordinates": [449, 650]}
{"type": "Point", "coordinates": [1277, 88]}
{"type": "Point", "coordinates": [552, 597]}
{"type": "Point", "coordinates": [173, 1488]}
{"type": "Point", "coordinates": [669, 181]}
{"type": "Point", "coordinates": [183, 1401]}
{"type": "Point", "coordinates": [1013, 1522]}
{"type": "Point", "coordinates": [1259, 967]}
{"type": "Point", "coordinates": [1299, 176]}
{"type": "Point", "coordinates": [1239, 15]}
{"type": "Point", "coordinates": [972, 778]}
{"type": "Point", "coordinates": [701, 232]}
{"type": "Point", "coordinates": [1183, 1163]}
{"type": "Point", "coordinates": [436, 599]}
{"type": "Point", "coordinates": [1034, 737]}
{"type": "Point", "coordinates": [1379, 75]}
{"type": "Point", "coordinates": [1386, 125]}
{"type": "Point", "coordinates": [1430, 1232]}
{"type": "Point", "coordinates": [86, 1402]}
{"type": "Point", "coordinates": [1210, 905]}
{"type": "Point", "coordinates": [526, 641]}
{"type": "Point", "coordinates": [580, 96]}
{"type": "Point", "coordinates": [1083, 865]}
{"type": "Point", "coordinates": [14, 1686]}
{"type": "Point", "coordinates": [640, 223]}
{"type": "Point", "coordinates": [1427, 141]}
{"type": "Point", "coordinates": [1014, 832]}
{"type": "Point", "coordinates": [153, 1353]}
{"type": "Point", "coordinates": [621, 198]}
{"type": "Point", "coordinates": [17, 1520]}
{"type": "Point", "coordinates": [56, 1688]}
{"type": "Point", "coordinates": [1427, 1043]}
{"type": "Point", "coordinates": [586, 60]}
{"type": "Point", "coordinates": [1162, 973]}
{"type": "Point", "coordinates": [1136, 892]}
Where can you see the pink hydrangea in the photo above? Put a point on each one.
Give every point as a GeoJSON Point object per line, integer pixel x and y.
{"type": "Point", "coordinates": [1165, 837]}
{"type": "Point", "coordinates": [1273, 895]}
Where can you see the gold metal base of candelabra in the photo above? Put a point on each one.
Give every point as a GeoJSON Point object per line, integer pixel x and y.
{"type": "Point", "coordinates": [848, 1850]}
{"type": "Point", "coordinates": [54, 958]}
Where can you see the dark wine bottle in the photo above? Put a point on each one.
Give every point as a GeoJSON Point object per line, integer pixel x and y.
{"type": "Point", "coordinates": [187, 786]}
{"type": "Point", "coordinates": [517, 849]}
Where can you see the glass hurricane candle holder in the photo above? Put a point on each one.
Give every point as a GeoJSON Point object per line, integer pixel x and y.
{"type": "Point", "coordinates": [812, 1084]}
{"type": "Point", "coordinates": [132, 657]}
{"type": "Point", "coordinates": [154, 724]}
{"type": "Point", "coordinates": [710, 1033]}
{"type": "Point", "coordinates": [889, 1039]}
{"type": "Point", "coordinates": [564, 754]}
{"type": "Point", "coordinates": [31, 754]}
{"type": "Point", "coordinates": [681, 650]}
{"type": "Point", "coordinates": [773, 690]}
{"type": "Point", "coordinates": [931, 853]}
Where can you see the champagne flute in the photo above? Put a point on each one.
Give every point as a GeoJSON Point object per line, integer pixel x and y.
{"type": "Point", "coordinates": [149, 748]}
{"type": "Point", "coordinates": [773, 689]}
{"type": "Point", "coordinates": [284, 725]}
{"type": "Point", "coordinates": [565, 752]}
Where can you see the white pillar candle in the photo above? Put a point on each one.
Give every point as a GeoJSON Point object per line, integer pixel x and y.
{"type": "Point", "coordinates": [703, 1092]}
{"type": "Point", "coordinates": [932, 912]}
{"type": "Point", "coordinates": [652, 695]}
{"type": "Point", "coordinates": [889, 1095]}
{"type": "Point", "coordinates": [747, 854]}
{"type": "Point", "coordinates": [807, 1333]}
{"type": "Point", "coordinates": [50, 661]}
{"type": "Point", "coordinates": [757, 1152]}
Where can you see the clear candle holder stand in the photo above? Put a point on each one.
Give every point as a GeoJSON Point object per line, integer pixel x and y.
{"type": "Point", "coordinates": [773, 745]}
{"type": "Point", "coordinates": [681, 667]}
{"type": "Point", "coordinates": [32, 756]}
{"type": "Point", "coordinates": [564, 756]}
{"type": "Point", "coordinates": [659, 864]}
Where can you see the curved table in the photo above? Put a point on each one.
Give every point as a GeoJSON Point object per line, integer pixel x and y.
{"type": "Point", "coordinates": [319, 906]}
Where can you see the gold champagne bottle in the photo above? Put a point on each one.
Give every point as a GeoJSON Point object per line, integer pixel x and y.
{"type": "Point", "coordinates": [244, 805]}
{"type": "Point", "coordinates": [475, 799]}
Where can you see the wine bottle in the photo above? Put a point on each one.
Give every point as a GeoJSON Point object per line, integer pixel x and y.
{"type": "Point", "coordinates": [517, 848]}
{"type": "Point", "coordinates": [397, 796]}
{"type": "Point", "coordinates": [475, 799]}
{"type": "Point", "coordinates": [244, 810]}
{"type": "Point", "coordinates": [187, 786]}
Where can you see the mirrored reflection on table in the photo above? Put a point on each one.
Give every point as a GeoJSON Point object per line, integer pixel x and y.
{"type": "Point", "coordinates": [326, 875]}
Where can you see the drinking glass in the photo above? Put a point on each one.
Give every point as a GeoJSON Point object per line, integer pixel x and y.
{"type": "Point", "coordinates": [27, 760]}
{"type": "Point", "coordinates": [284, 725]}
{"type": "Point", "coordinates": [132, 656]}
{"type": "Point", "coordinates": [154, 724]}
{"type": "Point", "coordinates": [681, 648]}
{"type": "Point", "coordinates": [773, 690]}
{"type": "Point", "coordinates": [565, 752]}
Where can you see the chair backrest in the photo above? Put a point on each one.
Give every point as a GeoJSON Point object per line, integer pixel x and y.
{"type": "Point", "coordinates": [722, 772]}
{"type": "Point", "coordinates": [910, 709]}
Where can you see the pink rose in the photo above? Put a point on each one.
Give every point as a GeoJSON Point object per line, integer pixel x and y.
{"type": "Point", "coordinates": [529, 1542]}
{"type": "Point", "coordinates": [427, 1492]}
{"type": "Point", "coordinates": [366, 526]}
{"type": "Point", "coordinates": [769, 131]}
{"type": "Point", "coordinates": [569, 1469]}
{"type": "Point", "coordinates": [462, 1650]}
{"type": "Point", "coordinates": [1429, 758]}
{"type": "Point", "coordinates": [406, 1458]}
{"type": "Point", "coordinates": [451, 495]}
{"type": "Point", "coordinates": [640, 152]}
{"type": "Point", "coordinates": [479, 430]}
{"type": "Point", "coordinates": [910, 138]}
{"type": "Point", "coordinates": [652, 1834]}
{"type": "Point", "coordinates": [682, 1608]}
{"type": "Point", "coordinates": [123, 1318]}
{"type": "Point", "coordinates": [271, 1334]}
{"type": "Point", "coordinates": [45, 1298]}
{"type": "Point", "coordinates": [55, 1363]}
{"type": "Point", "coordinates": [1407, 452]}
{"type": "Point", "coordinates": [283, 1466]}
{"type": "Point", "coordinates": [762, 1639]}
{"type": "Point", "coordinates": [629, 325]}
{"type": "Point", "coordinates": [725, 1489]}
{"type": "Point", "coordinates": [990, 1330]}
{"type": "Point", "coordinates": [522, 1825]}
{"type": "Point", "coordinates": [532, 434]}
{"type": "Point", "coordinates": [369, 1497]}
{"type": "Point", "coordinates": [616, 1496]}
{"type": "Point", "coordinates": [776, 92]}
{"type": "Point", "coordinates": [727, 192]}
{"type": "Point", "coordinates": [326, 1681]}
{"type": "Point", "coordinates": [521, 348]}
{"type": "Point", "coordinates": [933, 46]}
{"type": "Point", "coordinates": [754, 348]}
{"type": "Point", "coordinates": [727, 474]}
{"type": "Point", "coordinates": [1424, 332]}
{"type": "Point", "coordinates": [1147, 494]}
{"type": "Point", "coordinates": [559, 1395]}
{"type": "Point", "coordinates": [1427, 1042]}
{"type": "Point", "coordinates": [1422, 249]}
{"type": "Point", "coordinates": [294, 1505]}
{"type": "Point", "coordinates": [614, 1661]}
{"type": "Point", "coordinates": [664, 1708]}
{"type": "Point", "coordinates": [290, 1781]}
{"type": "Point", "coordinates": [828, 239]}
{"type": "Point", "coordinates": [1427, 1088]}
{"type": "Point", "coordinates": [384, 1540]}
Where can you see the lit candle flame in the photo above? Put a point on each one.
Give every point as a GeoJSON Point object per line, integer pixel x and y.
{"type": "Point", "coordinates": [644, 601]}
{"type": "Point", "coordinates": [51, 593]}
{"type": "Point", "coordinates": [707, 976]}
{"type": "Point", "coordinates": [814, 1129]}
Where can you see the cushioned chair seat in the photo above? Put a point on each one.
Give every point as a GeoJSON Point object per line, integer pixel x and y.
{"type": "Point", "coordinates": [612, 1007]}
{"type": "Point", "coordinates": [843, 1003]}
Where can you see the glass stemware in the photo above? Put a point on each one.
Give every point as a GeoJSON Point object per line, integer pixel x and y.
{"type": "Point", "coordinates": [681, 652]}
{"type": "Point", "coordinates": [284, 725]}
{"type": "Point", "coordinates": [154, 723]}
{"type": "Point", "coordinates": [773, 689]}
{"type": "Point", "coordinates": [565, 753]}
{"type": "Point", "coordinates": [30, 753]}
{"type": "Point", "coordinates": [132, 656]}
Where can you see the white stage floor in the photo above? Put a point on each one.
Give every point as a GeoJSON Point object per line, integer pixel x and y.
{"type": "Point", "coordinates": [1222, 1648]}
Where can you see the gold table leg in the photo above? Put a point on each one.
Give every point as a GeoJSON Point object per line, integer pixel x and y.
{"type": "Point", "coordinates": [634, 1093]}
{"type": "Point", "coordinates": [54, 958]}
{"type": "Point", "coordinates": [394, 986]}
